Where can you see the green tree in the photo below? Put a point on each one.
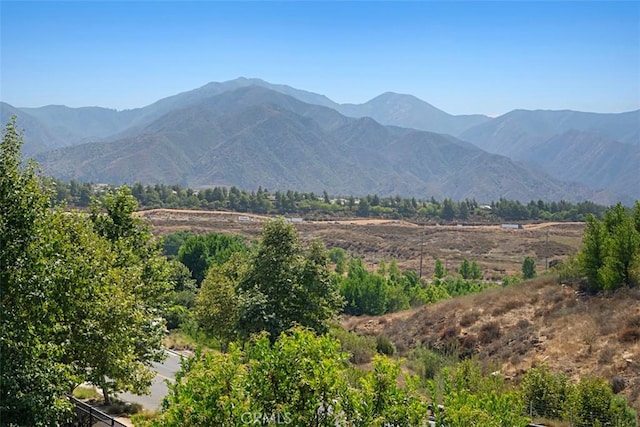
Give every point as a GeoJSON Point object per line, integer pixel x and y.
{"type": "Point", "coordinates": [32, 378]}
{"type": "Point", "coordinates": [448, 210]}
{"type": "Point", "coordinates": [528, 268]}
{"type": "Point", "coordinates": [308, 392]}
{"type": "Point", "coordinates": [363, 208]}
{"type": "Point", "coordinates": [286, 285]}
{"type": "Point", "coordinates": [180, 277]}
{"type": "Point", "coordinates": [364, 292]}
{"type": "Point", "coordinates": [199, 252]}
{"type": "Point", "coordinates": [172, 242]}
{"type": "Point", "coordinates": [476, 273]}
{"type": "Point", "coordinates": [472, 398]}
{"type": "Point", "coordinates": [465, 269]}
{"type": "Point", "coordinates": [80, 296]}
{"type": "Point", "coordinates": [394, 272]}
{"type": "Point", "coordinates": [300, 379]}
{"type": "Point", "coordinates": [217, 304]}
{"type": "Point", "coordinates": [623, 249]}
{"type": "Point", "coordinates": [140, 284]}
{"type": "Point", "coordinates": [439, 271]}
{"type": "Point", "coordinates": [546, 393]}
{"type": "Point", "coordinates": [636, 216]}
{"type": "Point", "coordinates": [591, 402]}
{"type": "Point", "coordinates": [610, 255]}
{"type": "Point", "coordinates": [594, 404]}
{"type": "Point", "coordinates": [381, 401]}
{"type": "Point", "coordinates": [591, 257]}
{"type": "Point", "coordinates": [464, 211]}
{"type": "Point", "coordinates": [209, 390]}
{"type": "Point", "coordinates": [182, 297]}
{"type": "Point", "coordinates": [338, 256]}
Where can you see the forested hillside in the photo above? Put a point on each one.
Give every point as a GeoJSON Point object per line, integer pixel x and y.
{"type": "Point", "coordinates": [326, 206]}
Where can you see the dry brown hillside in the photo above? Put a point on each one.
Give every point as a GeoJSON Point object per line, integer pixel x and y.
{"type": "Point", "coordinates": [521, 326]}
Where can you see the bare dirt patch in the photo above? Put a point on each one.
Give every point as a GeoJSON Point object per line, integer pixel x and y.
{"type": "Point", "coordinates": [497, 251]}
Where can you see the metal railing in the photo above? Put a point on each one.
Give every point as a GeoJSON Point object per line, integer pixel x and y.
{"type": "Point", "coordinates": [88, 416]}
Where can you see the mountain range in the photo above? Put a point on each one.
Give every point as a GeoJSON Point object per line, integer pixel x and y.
{"type": "Point", "coordinates": [250, 133]}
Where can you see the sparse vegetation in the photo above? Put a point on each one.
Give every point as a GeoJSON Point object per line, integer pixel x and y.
{"type": "Point", "coordinates": [361, 349]}
{"type": "Point", "coordinates": [118, 407]}
{"type": "Point", "coordinates": [469, 318]}
{"type": "Point", "coordinates": [630, 334]}
{"type": "Point", "coordinates": [489, 332]}
{"type": "Point", "coordinates": [83, 393]}
{"type": "Point", "coordinates": [547, 322]}
{"type": "Point", "coordinates": [384, 346]}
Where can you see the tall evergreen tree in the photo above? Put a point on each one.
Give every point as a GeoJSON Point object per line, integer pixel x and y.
{"type": "Point", "coordinates": [528, 268]}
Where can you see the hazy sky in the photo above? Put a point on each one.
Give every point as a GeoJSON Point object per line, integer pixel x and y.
{"type": "Point", "coordinates": [461, 56]}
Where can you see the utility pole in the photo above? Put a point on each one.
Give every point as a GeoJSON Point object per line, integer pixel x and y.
{"type": "Point", "coordinates": [421, 251]}
{"type": "Point", "coordinates": [546, 252]}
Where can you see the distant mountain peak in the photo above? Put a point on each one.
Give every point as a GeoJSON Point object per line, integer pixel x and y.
{"type": "Point", "coordinates": [395, 95]}
{"type": "Point", "coordinates": [404, 100]}
{"type": "Point", "coordinates": [245, 114]}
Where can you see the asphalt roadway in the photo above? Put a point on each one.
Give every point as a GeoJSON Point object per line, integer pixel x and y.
{"type": "Point", "coordinates": [165, 371]}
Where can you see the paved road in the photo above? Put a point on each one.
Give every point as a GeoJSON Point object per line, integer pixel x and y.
{"type": "Point", "coordinates": [165, 371]}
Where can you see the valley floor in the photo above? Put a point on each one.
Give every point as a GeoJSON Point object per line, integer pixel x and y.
{"type": "Point", "coordinates": [498, 251]}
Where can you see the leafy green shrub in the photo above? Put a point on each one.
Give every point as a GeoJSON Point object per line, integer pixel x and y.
{"type": "Point", "coordinates": [338, 256]}
{"type": "Point", "coordinates": [528, 268]}
{"type": "Point", "coordinates": [545, 393]}
{"type": "Point", "coordinates": [199, 252]}
{"type": "Point", "coordinates": [568, 271]}
{"type": "Point", "coordinates": [171, 242]}
{"type": "Point", "coordinates": [360, 348]}
{"type": "Point", "coordinates": [300, 379]}
{"type": "Point", "coordinates": [473, 398]}
{"type": "Point", "coordinates": [593, 405]}
{"type": "Point", "coordinates": [384, 345]}
{"type": "Point", "coordinates": [83, 393]}
{"type": "Point", "coordinates": [589, 403]}
{"type": "Point", "coordinates": [118, 407]}
{"type": "Point", "coordinates": [176, 315]}
{"type": "Point", "coordinates": [432, 363]}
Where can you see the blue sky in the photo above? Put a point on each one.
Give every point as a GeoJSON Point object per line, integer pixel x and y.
{"type": "Point", "coordinates": [463, 57]}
